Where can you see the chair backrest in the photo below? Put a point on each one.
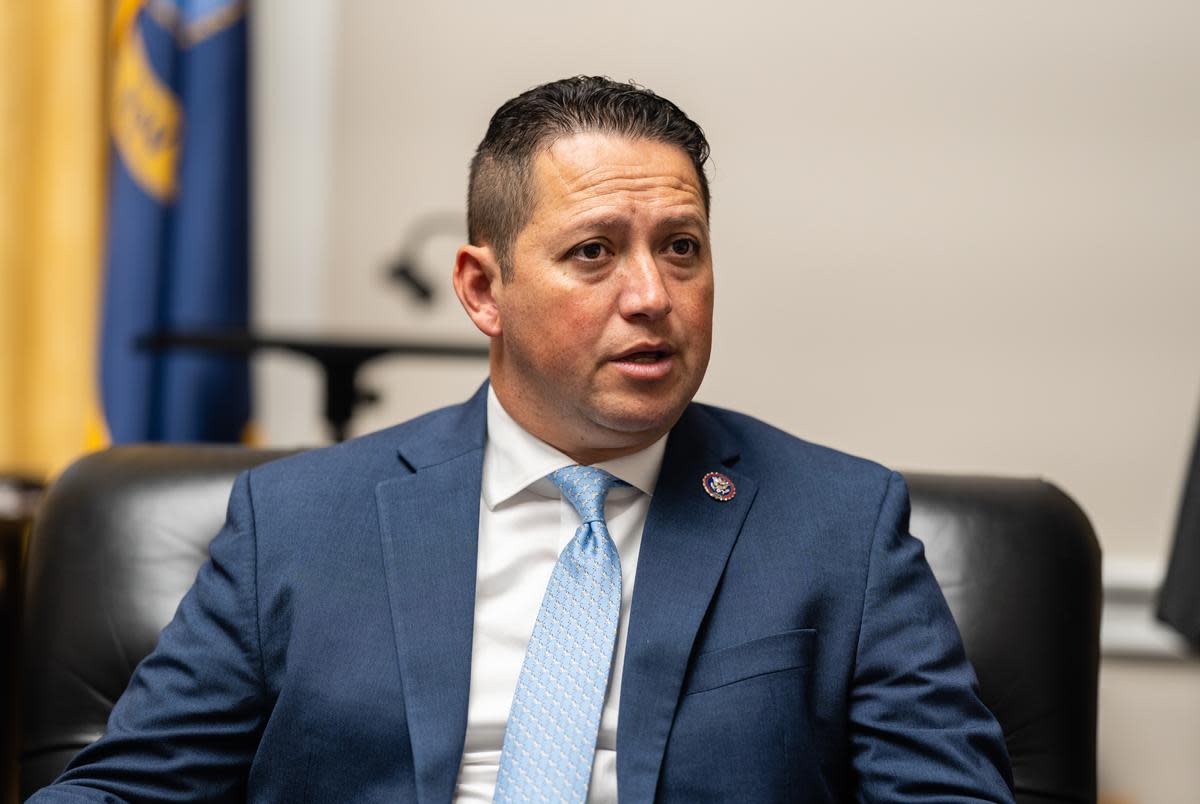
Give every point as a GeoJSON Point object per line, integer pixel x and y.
{"type": "Point", "coordinates": [116, 543]}
{"type": "Point", "coordinates": [120, 536]}
{"type": "Point", "coordinates": [12, 537]}
{"type": "Point", "coordinates": [1019, 565]}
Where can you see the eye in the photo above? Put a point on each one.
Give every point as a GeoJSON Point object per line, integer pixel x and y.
{"type": "Point", "coordinates": [684, 247]}
{"type": "Point", "coordinates": [590, 252]}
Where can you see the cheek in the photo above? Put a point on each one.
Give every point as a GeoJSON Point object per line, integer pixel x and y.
{"type": "Point", "coordinates": [558, 333]}
{"type": "Point", "coordinates": [576, 323]}
{"type": "Point", "coordinates": [695, 308]}
{"type": "Point", "coordinates": [576, 317]}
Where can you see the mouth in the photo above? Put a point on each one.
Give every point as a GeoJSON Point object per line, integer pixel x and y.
{"type": "Point", "coordinates": [645, 362]}
{"type": "Point", "coordinates": [644, 357]}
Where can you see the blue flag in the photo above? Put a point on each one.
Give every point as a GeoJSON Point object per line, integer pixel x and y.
{"type": "Point", "coordinates": [178, 227]}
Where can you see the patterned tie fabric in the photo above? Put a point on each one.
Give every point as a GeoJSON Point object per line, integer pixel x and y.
{"type": "Point", "coordinates": [550, 738]}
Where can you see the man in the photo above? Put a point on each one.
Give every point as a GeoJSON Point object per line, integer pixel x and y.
{"type": "Point", "coordinates": [579, 583]}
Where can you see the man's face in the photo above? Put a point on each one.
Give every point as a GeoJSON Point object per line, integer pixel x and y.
{"type": "Point", "coordinates": [605, 325]}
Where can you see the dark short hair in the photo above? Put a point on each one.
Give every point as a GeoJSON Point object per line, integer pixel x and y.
{"type": "Point", "coordinates": [500, 194]}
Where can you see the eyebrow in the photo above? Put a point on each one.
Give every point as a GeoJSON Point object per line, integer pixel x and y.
{"type": "Point", "coordinates": [685, 220]}
{"type": "Point", "coordinates": [620, 222]}
{"type": "Point", "coordinates": [605, 222]}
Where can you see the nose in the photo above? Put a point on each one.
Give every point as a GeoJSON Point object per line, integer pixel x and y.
{"type": "Point", "coordinates": [644, 294]}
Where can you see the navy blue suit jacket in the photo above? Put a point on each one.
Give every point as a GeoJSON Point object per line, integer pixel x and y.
{"type": "Point", "coordinates": [789, 644]}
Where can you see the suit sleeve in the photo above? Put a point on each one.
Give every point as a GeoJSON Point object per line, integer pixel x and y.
{"type": "Point", "coordinates": [919, 729]}
{"type": "Point", "coordinates": [188, 724]}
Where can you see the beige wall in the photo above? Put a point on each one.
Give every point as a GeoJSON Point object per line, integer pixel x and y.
{"type": "Point", "coordinates": [1149, 732]}
{"type": "Point", "coordinates": [952, 236]}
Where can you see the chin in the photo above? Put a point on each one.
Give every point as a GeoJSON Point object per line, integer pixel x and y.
{"type": "Point", "coordinates": [639, 417]}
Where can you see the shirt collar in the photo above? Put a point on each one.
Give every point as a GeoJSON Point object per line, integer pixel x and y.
{"type": "Point", "coordinates": [514, 459]}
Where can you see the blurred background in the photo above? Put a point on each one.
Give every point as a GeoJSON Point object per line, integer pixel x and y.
{"type": "Point", "coordinates": [949, 237]}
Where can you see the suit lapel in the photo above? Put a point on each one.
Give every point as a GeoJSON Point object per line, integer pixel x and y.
{"type": "Point", "coordinates": [429, 527]}
{"type": "Point", "coordinates": [685, 544]}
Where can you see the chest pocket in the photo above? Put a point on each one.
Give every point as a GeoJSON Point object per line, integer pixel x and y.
{"type": "Point", "coordinates": [758, 657]}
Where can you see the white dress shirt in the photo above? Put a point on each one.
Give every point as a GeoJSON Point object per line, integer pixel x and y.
{"type": "Point", "coordinates": [524, 523]}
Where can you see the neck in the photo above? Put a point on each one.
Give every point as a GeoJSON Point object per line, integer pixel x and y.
{"type": "Point", "coordinates": [594, 456]}
{"type": "Point", "coordinates": [585, 448]}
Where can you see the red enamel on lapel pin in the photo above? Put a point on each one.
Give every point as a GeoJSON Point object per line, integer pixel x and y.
{"type": "Point", "coordinates": [719, 486]}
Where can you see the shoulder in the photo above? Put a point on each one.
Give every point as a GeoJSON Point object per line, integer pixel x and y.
{"type": "Point", "coordinates": [788, 465]}
{"type": "Point", "coordinates": [765, 446]}
{"type": "Point", "coordinates": [365, 461]}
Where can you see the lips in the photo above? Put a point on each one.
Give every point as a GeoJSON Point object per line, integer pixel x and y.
{"type": "Point", "coordinates": [643, 357]}
{"type": "Point", "coordinates": [645, 353]}
{"type": "Point", "coordinates": [648, 361]}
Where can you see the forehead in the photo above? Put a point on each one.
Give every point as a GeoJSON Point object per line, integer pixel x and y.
{"type": "Point", "coordinates": [610, 174]}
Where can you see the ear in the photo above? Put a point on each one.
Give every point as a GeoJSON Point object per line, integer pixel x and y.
{"type": "Point", "coordinates": [476, 274]}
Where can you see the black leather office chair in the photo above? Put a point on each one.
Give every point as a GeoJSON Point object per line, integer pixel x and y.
{"type": "Point", "coordinates": [18, 496]}
{"type": "Point", "coordinates": [12, 532]}
{"type": "Point", "coordinates": [121, 536]}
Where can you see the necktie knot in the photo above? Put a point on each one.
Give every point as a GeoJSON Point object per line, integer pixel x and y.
{"type": "Point", "coordinates": [586, 487]}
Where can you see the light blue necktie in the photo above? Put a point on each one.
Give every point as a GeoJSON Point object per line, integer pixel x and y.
{"type": "Point", "coordinates": [550, 738]}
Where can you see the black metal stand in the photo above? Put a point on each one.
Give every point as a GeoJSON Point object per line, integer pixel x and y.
{"type": "Point", "coordinates": [340, 360]}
